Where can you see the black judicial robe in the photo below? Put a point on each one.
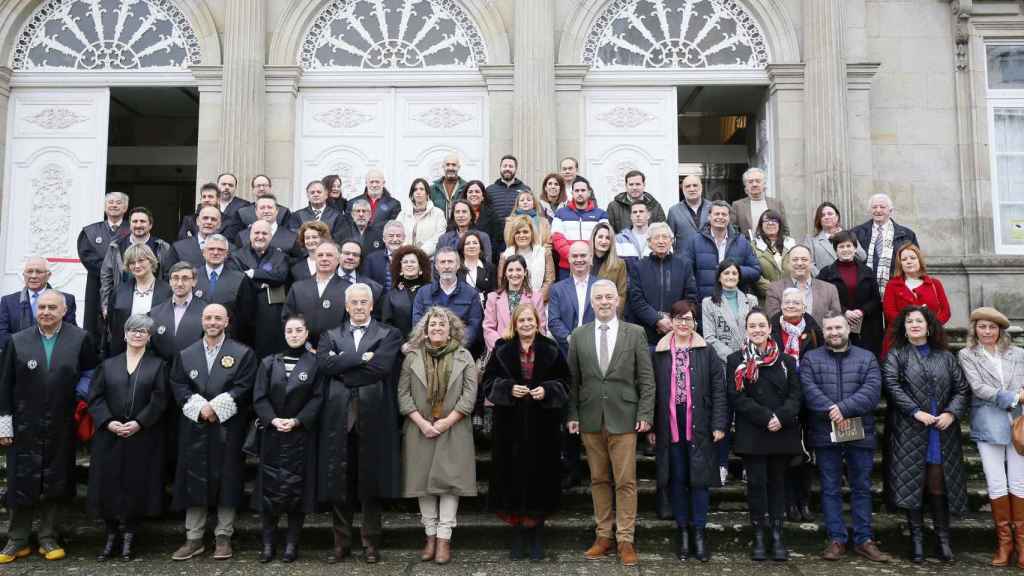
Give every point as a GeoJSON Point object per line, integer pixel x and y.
{"type": "Point", "coordinates": [210, 470]}
{"type": "Point", "coordinates": [93, 242]}
{"type": "Point", "coordinates": [121, 309]}
{"type": "Point", "coordinates": [270, 282]}
{"type": "Point", "coordinates": [321, 312]}
{"type": "Point", "coordinates": [41, 399]}
{"type": "Point", "coordinates": [236, 292]}
{"type": "Point", "coordinates": [168, 342]}
{"type": "Point", "coordinates": [126, 474]}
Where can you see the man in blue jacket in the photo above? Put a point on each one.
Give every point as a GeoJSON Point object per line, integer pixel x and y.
{"type": "Point", "coordinates": [840, 382]}
{"type": "Point", "coordinates": [657, 281]}
{"type": "Point", "coordinates": [569, 304]}
{"type": "Point", "coordinates": [449, 292]}
{"type": "Point", "coordinates": [18, 309]}
{"type": "Point", "coordinates": [715, 242]}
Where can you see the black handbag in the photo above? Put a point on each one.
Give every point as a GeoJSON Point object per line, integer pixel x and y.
{"type": "Point", "coordinates": [251, 446]}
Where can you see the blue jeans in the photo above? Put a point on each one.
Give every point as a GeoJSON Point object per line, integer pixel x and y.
{"type": "Point", "coordinates": [859, 462]}
{"type": "Point", "coordinates": [689, 503]}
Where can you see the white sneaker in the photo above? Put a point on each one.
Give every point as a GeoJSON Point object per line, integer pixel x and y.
{"type": "Point", "coordinates": [724, 473]}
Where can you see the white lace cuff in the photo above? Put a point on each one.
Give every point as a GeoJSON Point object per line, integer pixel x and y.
{"type": "Point", "coordinates": [192, 408]}
{"type": "Point", "coordinates": [6, 427]}
{"type": "Point", "coordinates": [224, 406]}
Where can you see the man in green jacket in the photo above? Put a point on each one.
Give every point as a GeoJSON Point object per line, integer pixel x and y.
{"type": "Point", "coordinates": [449, 187]}
{"type": "Point", "coordinates": [636, 193]}
{"type": "Point", "coordinates": [611, 400]}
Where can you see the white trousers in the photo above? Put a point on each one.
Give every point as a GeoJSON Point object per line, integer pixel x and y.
{"type": "Point", "coordinates": [195, 522]}
{"type": "Point", "coordinates": [1004, 470]}
{"type": "Point", "coordinates": [437, 513]}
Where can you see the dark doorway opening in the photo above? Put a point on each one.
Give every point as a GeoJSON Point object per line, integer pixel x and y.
{"type": "Point", "coordinates": [152, 148]}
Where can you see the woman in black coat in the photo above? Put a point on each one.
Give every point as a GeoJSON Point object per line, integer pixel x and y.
{"type": "Point", "coordinates": [929, 396]}
{"type": "Point", "coordinates": [527, 380]}
{"type": "Point", "coordinates": [858, 292]}
{"type": "Point", "coordinates": [143, 291]}
{"type": "Point", "coordinates": [126, 401]}
{"type": "Point", "coordinates": [476, 270]}
{"type": "Point", "coordinates": [764, 390]}
{"type": "Point", "coordinates": [287, 398]}
{"type": "Point", "coordinates": [412, 268]}
{"type": "Point", "coordinates": [485, 218]}
{"type": "Point", "coordinates": [796, 332]}
{"type": "Point", "coordinates": [688, 421]}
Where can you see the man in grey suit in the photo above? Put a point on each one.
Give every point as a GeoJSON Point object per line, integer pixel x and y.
{"type": "Point", "coordinates": [747, 211]}
{"type": "Point", "coordinates": [691, 215]}
{"type": "Point", "coordinates": [611, 400]}
{"type": "Point", "coordinates": [821, 297]}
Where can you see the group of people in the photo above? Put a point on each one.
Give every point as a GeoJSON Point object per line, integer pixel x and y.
{"type": "Point", "coordinates": [357, 350]}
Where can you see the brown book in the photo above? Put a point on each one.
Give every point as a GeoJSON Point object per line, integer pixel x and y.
{"type": "Point", "coordinates": [851, 430]}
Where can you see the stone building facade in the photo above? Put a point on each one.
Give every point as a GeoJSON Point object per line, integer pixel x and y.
{"type": "Point", "coordinates": [836, 99]}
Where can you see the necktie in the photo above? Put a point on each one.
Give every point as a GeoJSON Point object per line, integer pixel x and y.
{"type": "Point", "coordinates": [213, 282]}
{"type": "Point", "coordinates": [357, 334]}
{"type": "Point", "coordinates": [35, 299]}
{"type": "Point", "coordinates": [316, 214]}
{"type": "Point", "coordinates": [878, 247]}
{"type": "Point", "coordinates": [602, 354]}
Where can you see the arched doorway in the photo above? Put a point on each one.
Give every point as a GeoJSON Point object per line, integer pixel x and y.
{"type": "Point", "coordinates": [95, 87]}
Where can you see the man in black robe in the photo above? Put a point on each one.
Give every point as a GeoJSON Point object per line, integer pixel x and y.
{"type": "Point", "coordinates": [208, 222]}
{"type": "Point", "coordinates": [219, 282]}
{"type": "Point", "coordinates": [93, 242]}
{"type": "Point", "coordinates": [212, 383]}
{"type": "Point", "coordinates": [44, 372]}
{"type": "Point", "coordinates": [359, 426]}
{"type": "Point", "coordinates": [267, 210]}
{"type": "Point", "coordinates": [318, 208]}
{"type": "Point", "coordinates": [320, 299]}
{"type": "Point", "coordinates": [267, 269]}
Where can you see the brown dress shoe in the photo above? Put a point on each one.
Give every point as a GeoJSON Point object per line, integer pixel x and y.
{"type": "Point", "coordinates": [429, 548]}
{"type": "Point", "coordinates": [834, 551]}
{"type": "Point", "coordinates": [599, 549]}
{"type": "Point", "coordinates": [627, 554]}
{"type": "Point", "coordinates": [371, 554]}
{"type": "Point", "coordinates": [870, 551]}
{"type": "Point", "coordinates": [222, 550]}
{"type": "Point", "coordinates": [443, 554]}
{"type": "Point", "coordinates": [190, 549]}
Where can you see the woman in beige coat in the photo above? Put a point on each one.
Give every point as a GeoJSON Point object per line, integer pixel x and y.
{"type": "Point", "coordinates": [436, 394]}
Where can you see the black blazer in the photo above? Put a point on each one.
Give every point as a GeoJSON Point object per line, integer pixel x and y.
{"type": "Point", "coordinates": [486, 278]}
{"type": "Point", "coordinates": [321, 312]}
{"type": "Point", "coordinates": [865, 298]}
{"type": "Point", "coordinates": [300, 270]}
{"type": "Point", "coordinates": [396, 307]}
{"type": "Point", "coordinates": [121, 309]}
{"type": "Point", "coordinates": [371, 239]}
{"type": "Point", "coordinates": [388, 208]}
{"type": "Point", "coordinates": [283, 239]}
{"type": "Point", "coordinates": [229, 221]}
{"type": "Point", "coordinates": [329, 215]}
{"type": "Point", "coordinates": [235, 291]}
{"type": "Point", "coordinates": [168, 342]}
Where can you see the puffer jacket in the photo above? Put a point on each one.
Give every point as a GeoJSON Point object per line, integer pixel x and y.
{"type": "Point", "coordinates": [911, 381]}
{"type": "Point", "coordinates": [702, 253]}
{"type": "Point", "coordinates": [850, 380]}
{"type": "Point", "coordinates": [571, 225]}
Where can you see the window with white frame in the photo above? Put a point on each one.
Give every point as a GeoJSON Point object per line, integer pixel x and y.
{"type": "Point", "coordinates": [1005, 68]}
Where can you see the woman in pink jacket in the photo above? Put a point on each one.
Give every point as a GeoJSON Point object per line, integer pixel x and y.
{"type": "Point", "coordinates": [513, 289]}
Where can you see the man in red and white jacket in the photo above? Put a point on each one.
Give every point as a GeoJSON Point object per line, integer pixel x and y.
{"type": "Point", "coordinates": [575, 221]}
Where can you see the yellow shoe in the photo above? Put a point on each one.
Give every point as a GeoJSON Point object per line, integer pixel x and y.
{"type": "Point", "coordinates": [10, 555]}
{"type": "Point", "coordinates": [52, 553]}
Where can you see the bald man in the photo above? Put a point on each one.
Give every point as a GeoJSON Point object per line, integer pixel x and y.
{"type": "Point", "coordinates": [18, 309]}
{"type": "Point", "coordinates": [46, 370]}
{"type": "Point", "coordinates": [690, 215]}
{"type": "Point", "coordinates": [449, 186]}
{"type": "Point", "coordinates": [383, 206]}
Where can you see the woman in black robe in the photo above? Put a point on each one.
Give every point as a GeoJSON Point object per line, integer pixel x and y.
{"type": "Point", "coordinates": [126, 402]}
{"type": "Point", "coordinates": [287, 399]}
{"type": "Point", "coordinates": [412, 268]}
{"type": "Point", "coordinates": [527, 380]}
{"type": "Point", "coordinates": [142, 292]}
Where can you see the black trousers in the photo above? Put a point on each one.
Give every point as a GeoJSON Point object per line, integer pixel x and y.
{"type": "Point", "coordinates": [766, 479]}
{"type": "Point", "coordinates": [341, 516]}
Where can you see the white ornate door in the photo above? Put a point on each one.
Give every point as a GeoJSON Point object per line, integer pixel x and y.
{"type": "Point", "coordinates": [631, 129]}
{"type": "Point", "coordinates": [404, 132]}
{"type": "Point", "coordinates": [55, 179]}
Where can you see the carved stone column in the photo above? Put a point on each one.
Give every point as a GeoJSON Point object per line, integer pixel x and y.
{"type": "Point", "coordinates": [825, 99]}
{"type": "Point", "coordinates": [533, 129]}
{"type": "Point", "coordinates": [242, 121]}
{"type": "Point", "coordinates": [5, 96]}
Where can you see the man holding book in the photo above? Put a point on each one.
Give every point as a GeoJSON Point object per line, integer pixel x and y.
{"type": "Point", "coordinates": [842, 386]}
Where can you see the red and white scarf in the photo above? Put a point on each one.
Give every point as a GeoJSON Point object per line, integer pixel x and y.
{"type": "Point", "coordinates": [753, 359]}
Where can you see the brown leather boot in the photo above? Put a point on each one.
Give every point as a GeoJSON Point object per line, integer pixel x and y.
{"type": "Point", "coordinates": [1017, 515]}
{"type": "Point", "coordinates": [342, 548]}
{"type": "Point", "coordinates": [429, 549]}
{"type": "Point", "coordinates": [1001, 516]}
{"type": "Point", "coordinates": [599, 549]}
{"type": "Point", "coordinates": [443, 554]}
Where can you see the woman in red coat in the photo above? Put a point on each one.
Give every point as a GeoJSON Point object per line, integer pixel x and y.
{"type": "Point", "coordinates": [912, 286]}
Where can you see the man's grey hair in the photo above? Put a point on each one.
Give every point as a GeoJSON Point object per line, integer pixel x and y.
{"type": "Point", "coordinates": [216, 238]}
{"type": "Point", "coordinates": [604, 283]}
{"type": "Point", "coordinates": [882, 196]}
{"type": "Point", "coordinates": [117, 195]}
{"type": "Point", "coordinates": [752, 170]}
{"type": "Point", "coordinates": [721, 204]}
{"type": "Point", "coordinates": [392, 224]}
{"type": "Point", "coordinates": [138, 322]}
{"type": "Point", "coordinates": [360, 202]}
{"type": "Point", "coordinates": [448, 250]}
{"type": "Point", "coordinates": [358, 287]}
{"type": "Point", "coordinates": [37, 258]}
{"type": "Point", "coordinates": [792, 290]}
{"type": "Point", "coordinates": [63, 297]}
{"type": "Point", "coordinates": [658, 227]}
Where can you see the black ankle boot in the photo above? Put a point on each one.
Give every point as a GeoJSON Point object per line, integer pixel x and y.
{"type": "Point", "coordinates": [940, 516]}
{"type": "Point", "coordinates": [757, 551]}
{"type": "Point", "coordinates": [126, 546]}
{"type": "Point", "coordinates": [779, 552]}
{"type": "Point", "coordinates": [700, 548]}
{"type": "Point", "coordinates": [108, 548]}
{"type": "Point", "coordinates": [291, 544]}
{"type": "Point", "coordinates": [516, 552]}
{"type": "Point", "coordinates": [682, 544]}
{"type": "Point", "coordinates": [537, 542]}
{"type": "Point", "coordinates": [267, 554]}
{"type": "Point", "coordinates": [915, 521]}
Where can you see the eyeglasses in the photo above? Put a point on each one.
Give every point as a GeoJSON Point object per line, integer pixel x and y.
{"type": "Point", "coordinates": [683, 319]}
{"type": "Point", "coordinates": [139, 332]}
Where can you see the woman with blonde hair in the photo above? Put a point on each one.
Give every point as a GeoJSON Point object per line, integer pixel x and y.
{"type": "Point", "coordinates": [607, 263]}
{"type": "Point", "coordinates": [138, 295]}
{"type": "Point", "coordinates": [522, 239]}
{"type": "Point", "coordinates": [436, 394]}
{"type": "Point", "coordinates": [528, 205]}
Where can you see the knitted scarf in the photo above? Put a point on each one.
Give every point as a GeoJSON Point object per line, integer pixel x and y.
{"type": "Point", "coordinates": [438, 365]}
{"type": "Point", "coordinates": [794, 331]}
{"type": "Point", "coordinates": [748, 371]}
{"type": "Point", "coordinates": [885, 258]}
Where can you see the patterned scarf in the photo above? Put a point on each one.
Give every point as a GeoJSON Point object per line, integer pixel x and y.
{"type": "Point", "coordinates": [794, 331]}
{"type": "Point", "coordinates": [885, 258]}
{"type": "Point", "coordinates": [752, 361]}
